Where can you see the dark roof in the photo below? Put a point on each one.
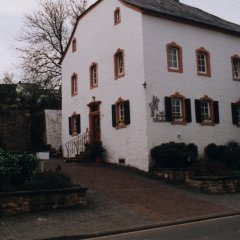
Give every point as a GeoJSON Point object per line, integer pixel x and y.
{"type": "Point", "coordinates": [175, 10]}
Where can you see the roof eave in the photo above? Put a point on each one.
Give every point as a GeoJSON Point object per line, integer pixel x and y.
{"type": "Point", "coordinates": [190, 22]}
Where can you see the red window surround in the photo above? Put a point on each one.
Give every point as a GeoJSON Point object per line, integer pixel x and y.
{"type": "Point", "coordinates": [174, 57]}
{"type": "Point", "coordinates": [203, 62]}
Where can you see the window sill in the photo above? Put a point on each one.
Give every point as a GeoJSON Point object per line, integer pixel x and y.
{"type": "Point", "coordinates": [74, 134]}
{"type": "Point", "coordinates": [208, 123]}
{"type": "Point", "coordinates": [121, 126]}
{"type": "Point", "coordinates": [119, 76]}
{"type": "Point", "coordinates": [175, 70]}
{"type": "Point", "coordinates": [178, 122]}
{"type": "Point", "coordinates": [92, 87]}
{"type": "Point", "coordinates": [75, 94]}
{"type": "Point", "coordinates": [236, 78]}
{"type": "Point", "coordinates": [204, 74]}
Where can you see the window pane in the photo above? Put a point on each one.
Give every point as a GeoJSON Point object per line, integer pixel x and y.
{"type": "Point", "coordinates": [236, 67]}
{"type": "Point", "coordinates": [205, 110]}
{"type": "Point", "coordinates": [176, 108]}
{"type": "Point", "coordinates": [120, 63]}
{"type": "Point", "coordinates": [202, 62]}
{"type": "Point", "coordinates": [121, 112]}
{"type": "Point", "coordinates": [94, 75]}
{"type": "Point", "coordinates": [173, 57]}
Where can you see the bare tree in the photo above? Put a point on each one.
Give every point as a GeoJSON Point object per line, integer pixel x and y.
{"type": "Point", "coordinates": [45, 35]}
{"type": "Point", "coordinates": [7, 78]}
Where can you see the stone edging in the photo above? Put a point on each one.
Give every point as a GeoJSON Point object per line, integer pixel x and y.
{"type": "Point", "coordinates": [13, 203]}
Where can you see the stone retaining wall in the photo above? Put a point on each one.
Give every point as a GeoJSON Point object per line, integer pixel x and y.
{"type": "Point", "coordinates": [35, 201]}
{"type": "Point", "coordinates": [229, 184]}
{"type": "Point", "coordinates": [173, 175]}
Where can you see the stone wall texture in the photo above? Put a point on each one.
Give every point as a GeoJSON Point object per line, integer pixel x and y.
{"type": "Point", "coordinates": [24, 202]}
{"type": "Point", "coordinates": [15, 130]}
{"type": "Point", "coordinates": [215, 184]}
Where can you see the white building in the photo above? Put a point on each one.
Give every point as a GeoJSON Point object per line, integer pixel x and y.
{"type": "Point", "coordinates": [141, 73]}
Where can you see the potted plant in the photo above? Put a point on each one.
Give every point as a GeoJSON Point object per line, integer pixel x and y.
{"type": "Point", "coordinates": [97, 151]}
{"type": "Point", "coordinates": [177, 117]}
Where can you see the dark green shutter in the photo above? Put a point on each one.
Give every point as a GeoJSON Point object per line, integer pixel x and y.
{"type": "Point", "coordinates": [216, 112]}
{"type": "Point", "coordinates": [70, 125]}
{"type": "Point", "coordinates": [168, 109]}
{"type": "Point", "coordinates": [114, 121]}
{"type": "Point", "coordinates": [234, 114]}
{"type": "Point", "coordinates": [78, 121]}
{"type": "Point", "coordinates": [198, 111]}
{"type": "Point", "coordinates": [127, 112]}
{"type": "Point", "coordinates": [188, 110]}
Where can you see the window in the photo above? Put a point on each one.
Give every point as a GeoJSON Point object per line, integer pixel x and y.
{"type": "Point", "coordinates": [117, 16]}
{"type": "Point", "coordinates": [207, 111]}
{"type": "Point", "coordinates": [236, 67]}
{"type": "Point", "coordinates": [74, 45]}
{"type": "Point", "coordinates": [119, 63]}
{"type": "Point", "coordinates": [74, 87]}
{"type": "Point", "coordinates": [93, 75]}
{"type": "Point", "coordinates": [121, 113]}
{"type": "Point", "coordinates": [174, 58]}
{"type": "Point", "coordinates": [178, 109]}
{"type": "Point", "coordinates": [203, 62]}
{"type": "Point", "coordinates": [236, 113]}
{"type": "Point", "coordinates": [74, 124]}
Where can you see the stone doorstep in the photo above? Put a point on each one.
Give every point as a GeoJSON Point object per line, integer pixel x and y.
{"type": "Point", "coordinates": [35, 201]}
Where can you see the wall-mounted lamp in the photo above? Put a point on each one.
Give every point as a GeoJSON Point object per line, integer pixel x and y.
{"type": "Point", "coordinates": [93, 98]}
{"type": "Point", "coordinates": [144, 84]}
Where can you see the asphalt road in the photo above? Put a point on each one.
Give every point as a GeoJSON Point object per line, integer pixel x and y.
{"type": "Point", "coordinates": [217, 229]}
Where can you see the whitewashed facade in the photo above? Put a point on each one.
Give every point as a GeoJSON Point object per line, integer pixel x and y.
{"type": "Point", "coordinates": [143, 39]}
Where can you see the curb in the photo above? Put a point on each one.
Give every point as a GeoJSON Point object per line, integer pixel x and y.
{"type": "Point", "coordinates": [148, 227]}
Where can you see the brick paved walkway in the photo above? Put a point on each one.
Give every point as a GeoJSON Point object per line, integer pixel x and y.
{"type": "Point", "coordinates": [119, 199]}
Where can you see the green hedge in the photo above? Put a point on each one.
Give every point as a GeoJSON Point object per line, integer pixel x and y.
{"type": "Point", "coordinates": [48, 180]}
{"type": "Point", "coordinates": [174, 155]}
{"type": "Point", "coordinates": [19, 172]}
{"type": "Point", "coordinates": [16, 169]}
{"type": "Point", "coordinates": [220, 159]}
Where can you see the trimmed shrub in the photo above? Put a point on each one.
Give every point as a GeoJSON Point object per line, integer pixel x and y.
{"type": "Point", "coordinates": [16, 169]}
{"type": "Point", "coordinates": [220, 160]}
{"type": "Point", "coordinates": [174, 155]}
{"type": "Point", "coordinates": [48, 180]}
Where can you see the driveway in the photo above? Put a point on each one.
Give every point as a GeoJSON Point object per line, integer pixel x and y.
{"type": "Point", "coordinates": [120, 199]}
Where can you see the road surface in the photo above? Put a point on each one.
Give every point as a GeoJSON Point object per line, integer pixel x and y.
{"type": "Point", "coordinates": [227, 228]}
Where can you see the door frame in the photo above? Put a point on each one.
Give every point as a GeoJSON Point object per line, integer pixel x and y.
{"type": "Point", "coordinates": [94, 111]}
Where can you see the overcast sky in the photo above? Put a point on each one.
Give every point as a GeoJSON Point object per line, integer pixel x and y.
{"type": "Point", "coordinates": [12, 13]}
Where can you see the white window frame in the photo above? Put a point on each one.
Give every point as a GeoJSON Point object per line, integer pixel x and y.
{"type": "Point", "coordinates": [236, 67]}
{"type": "Point", "coordinates": [202, 62]}
{"type": "Point", "coordinates": [205, 110]}
{"type": "Point", "coordinates": [173, 57]}
{"type": "Point", "coordinates": [176, 105]}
